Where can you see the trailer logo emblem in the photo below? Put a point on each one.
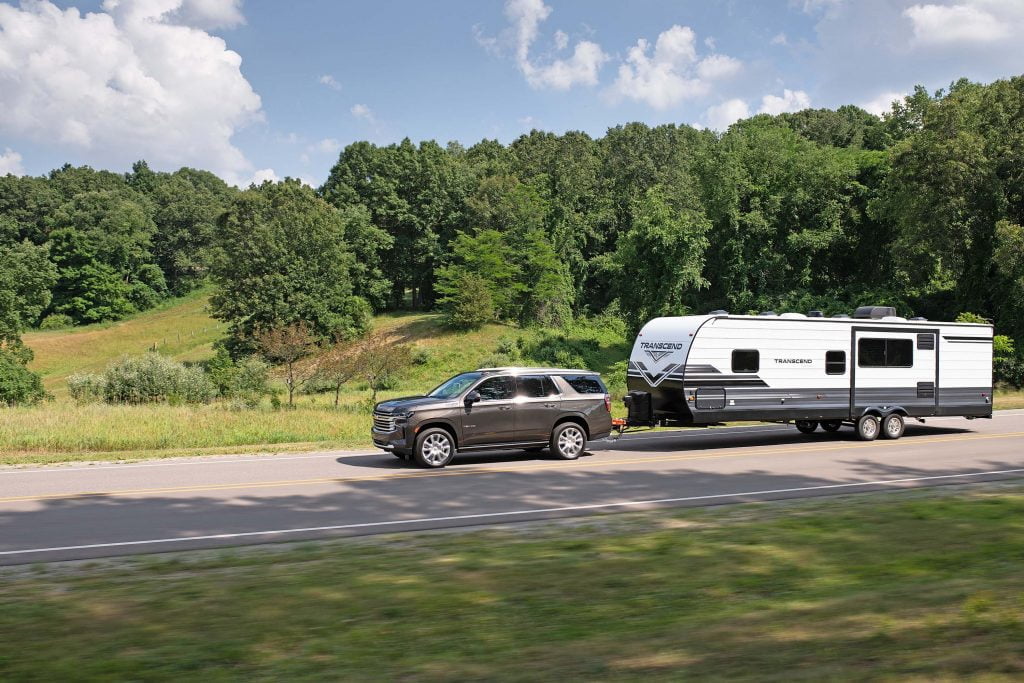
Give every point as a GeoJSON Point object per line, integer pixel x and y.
{"type": "Point", "coordinates": [657, 355]}
{"type": "Point", "coordinates": [658, 350]}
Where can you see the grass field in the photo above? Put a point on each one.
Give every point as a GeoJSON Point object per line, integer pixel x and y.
{"type": "Point", "coordinates": [922, 585]}
{"type": "Point", "coordinates": [180, 328]}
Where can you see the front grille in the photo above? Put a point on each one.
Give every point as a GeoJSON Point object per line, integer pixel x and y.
{"type": "Point", "coordinates": [383, 422]}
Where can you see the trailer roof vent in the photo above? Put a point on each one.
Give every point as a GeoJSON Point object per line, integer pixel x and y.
{"type": "Point", "coordinates": [840, 315]}
{"type": "Point", "coordinates": [792, 315]}
{"type": "Point", "coordinates": [874, 312]}
{"type": "Point", "coordinates": [815, 314]}
{"type": "Point", "coordinates": [918, 318]}
{"type": "Point", "coordinates": [768, 313]}
{"type": "Point", "coordinates": [718, 311]}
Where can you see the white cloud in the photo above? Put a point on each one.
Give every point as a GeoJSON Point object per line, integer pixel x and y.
{"type": "Point", "coordinates": [135, 81]}
{"type": "Point", "coordinates": [671, 72]}
{"type": "Point", "coordinates": [710, 43]}
{"type": "Point", "coordinates": [721, 116]}
{"type": "Point", "coordinates": [882, 104]}
{"type": "Point", "coordinates": [717, 67]}
{"type": "Point", "coordinates": [261, 176]}
{"type": "Point", "coordinates": [10, 162]}
{"type": "Point", "coordinates": [211, 14]}
{"type": "Point", "coordinates": [326, 146]}
{"type": "Point", "coordinates": [780, 39]}
{"type": "Point", "coordinates": [525, 17]}
{"type": "Point", "coordinates": [966, 23]}
{"type": "Point", "coordinates": [361, 111]}
{"type": "Point", "coordinates": [791, 100]}
{"type": "Point", "coordinates": [330, 82]}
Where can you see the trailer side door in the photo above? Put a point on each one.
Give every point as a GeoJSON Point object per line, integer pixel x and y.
{"type": "Point", "coordinates": [894, 367]}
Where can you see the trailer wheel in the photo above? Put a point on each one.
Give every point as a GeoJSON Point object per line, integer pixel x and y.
{"type": "Point", "coordinates": [893, 426]}
{"type": "Point", "coordinates": [806, 426]}
{"type": "Point", "coordinates": [831, 425]}
{"type": "Point", "coordinates": [867, 428]}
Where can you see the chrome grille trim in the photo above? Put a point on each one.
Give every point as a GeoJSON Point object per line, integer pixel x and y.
{"type": "Point", "coordinates": [383, 422]}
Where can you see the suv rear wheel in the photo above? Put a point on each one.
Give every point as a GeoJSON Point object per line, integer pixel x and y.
{"type": "Point", "coordinates": [435, 447]}
{"type": "Point", "coordinates": [568, 440]}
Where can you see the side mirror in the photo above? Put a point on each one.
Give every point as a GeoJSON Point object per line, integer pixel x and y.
{"type": "Point", "coordinates": [472, 397]}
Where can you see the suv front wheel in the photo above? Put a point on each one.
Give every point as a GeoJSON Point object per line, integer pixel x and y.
{"type": "Point", "coordinates": [434, 448]}
{"type": "Point", "coordinates": [568, 441]}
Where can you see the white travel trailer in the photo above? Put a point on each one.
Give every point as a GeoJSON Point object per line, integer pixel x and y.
{"type": "Point", "coordinates": [872, 370]}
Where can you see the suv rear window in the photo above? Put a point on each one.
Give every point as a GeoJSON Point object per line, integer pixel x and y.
{"type": "Point", "coordinates": [586, 384]}
{"type": "Point", "coordinates": [536, 386]}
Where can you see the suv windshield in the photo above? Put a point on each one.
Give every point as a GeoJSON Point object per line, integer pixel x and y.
{"type": "Point", "coordinates": [456, 385]}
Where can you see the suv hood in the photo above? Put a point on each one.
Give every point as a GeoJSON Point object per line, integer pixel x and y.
{"type": "Point", "coordinates": [400, 405]}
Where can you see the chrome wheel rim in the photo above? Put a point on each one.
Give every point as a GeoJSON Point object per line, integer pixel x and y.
{"type": "Point", "coordinates": [869, 427]}
{"type": "Point", "coordinates": [892, 426]}
{"type": "Point", "coordinates": [437, 448]}
{"type": "Point", "coordinates": [570, 442]}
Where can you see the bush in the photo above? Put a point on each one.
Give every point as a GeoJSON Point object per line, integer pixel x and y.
{"type": "Point", "coordinates": [470, 305]}
{"type": "Point", "coordinates": [243, 382]}
{"type": "Point", "coordinates": [151, 378]}
{"type": "Point", "coordinates": [57, 321]}
{"type": "Point", "coordinates": [18, 384]}
{"type": "Point", "coordinates": [1009, 371]}
{"type": "Point", "coordinates": [420, 356]}
{"type": "Point", "coordinates": [86, 387]}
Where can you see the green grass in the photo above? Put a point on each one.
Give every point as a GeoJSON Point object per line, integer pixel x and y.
{"type": "Point", "coordinates": [913, 585]}
{"type": "Point", "coordinates": [180, 328]}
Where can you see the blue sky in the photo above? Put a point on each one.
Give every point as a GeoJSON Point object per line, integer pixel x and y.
{"type": "Point", "coordinates": [264, 89]}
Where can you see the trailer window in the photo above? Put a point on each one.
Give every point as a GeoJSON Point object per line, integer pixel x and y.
{"type": "Point", "coordinates": [885, 353]}
{"type": "Point", "coordinates": [835, 362]}
{"type": "Point", "coordinates": [746, 361]}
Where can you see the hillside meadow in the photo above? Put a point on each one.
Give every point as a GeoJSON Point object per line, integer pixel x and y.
{"type": "Point", "coordinates": [61, 430]}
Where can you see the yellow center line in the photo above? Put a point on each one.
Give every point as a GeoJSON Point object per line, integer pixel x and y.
{"type": "Point", "coordinates": [572, 464]}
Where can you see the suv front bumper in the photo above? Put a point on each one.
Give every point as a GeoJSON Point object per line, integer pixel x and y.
{"type": "Point", "coordinates": [394, 441]}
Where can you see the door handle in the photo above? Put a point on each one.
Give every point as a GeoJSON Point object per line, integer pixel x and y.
{"type": "Point", "coordinates": [504, 407]}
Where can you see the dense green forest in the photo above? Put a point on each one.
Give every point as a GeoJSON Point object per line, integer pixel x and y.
{"type": "Point", "coordinates": [920, 209]}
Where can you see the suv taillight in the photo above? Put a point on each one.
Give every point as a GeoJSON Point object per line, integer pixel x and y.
{"type": "Point", "coordinates": [608, 402]}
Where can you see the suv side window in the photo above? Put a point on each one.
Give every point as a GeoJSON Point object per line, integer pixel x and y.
{"type": "Point", "coordinates": [497, 388]}
{"type": "Point", "coordinates": [585, 384]}
{"type": "Point", "coordinates": [536, 386]}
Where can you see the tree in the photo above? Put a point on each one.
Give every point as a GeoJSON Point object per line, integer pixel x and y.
{"type": "Point", "coordinates": [286, 346]}
{"type": "Point", "coordinates": [489, 257]}
{"type": "Point", "coordinates": [102, 249]}
{"type": "Point", "coordinates": [660, 260]}
{"type": "Point", "coordinates": [283, 258]}
{"type": "Point", "coordinates": [378, 358]}
{"type": "Point", "coordinates": [468, 303]}
{"type": "Point", "coordinates": [26, 276]}
{"type": "Point", "coordinates": [338, 366]}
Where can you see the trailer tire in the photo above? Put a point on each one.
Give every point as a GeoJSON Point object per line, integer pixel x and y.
{"type": "Point", "coordinates": [893, 426]}
{"type": "Point", "coordinates": [831, 425]}
{"type": "Point", "coordinates": [806, 426]}
{"type": "Point", "coordinates": [868, 428]}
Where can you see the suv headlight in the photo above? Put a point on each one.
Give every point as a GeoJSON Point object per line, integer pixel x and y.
{"type": "Point", "coordinates": [404, 417]}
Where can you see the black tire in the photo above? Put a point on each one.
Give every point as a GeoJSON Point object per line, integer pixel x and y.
{"type": "Point", "coordinates": [806, 426]}
{"type": "Point", "coordinates": [435, 448]}
{"type": "Point", "coordinates": [893, 426]}
{"type": "Point", "coordinates": [868, 427]}
{"type": "Point", "coordinates": [568, 441]}
{"type": "Point", "coordinates": [831, 425]}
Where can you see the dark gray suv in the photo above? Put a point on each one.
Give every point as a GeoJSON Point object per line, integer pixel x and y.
{"type": "Point", "coordinates": [497, 408]}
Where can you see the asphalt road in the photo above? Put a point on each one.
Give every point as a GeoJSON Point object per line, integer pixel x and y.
{"type": "Point", "coordinates": [77, 512]}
